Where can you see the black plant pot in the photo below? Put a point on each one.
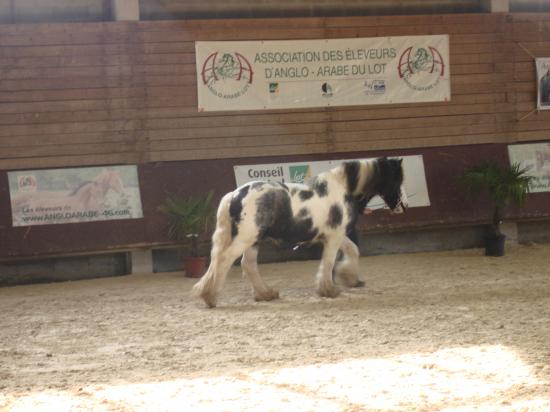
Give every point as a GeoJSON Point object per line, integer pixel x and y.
{"type": "Point", "coordinates": [494, 246]}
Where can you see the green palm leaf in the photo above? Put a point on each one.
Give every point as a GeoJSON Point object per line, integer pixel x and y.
{"type": "Point", "coordinates": [504, 185]}
{"type": "Point", "coordinates": [189, 216]}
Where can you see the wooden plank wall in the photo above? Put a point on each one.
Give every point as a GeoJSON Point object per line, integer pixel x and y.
{"type": "Point", "coordinates": [75, 94]}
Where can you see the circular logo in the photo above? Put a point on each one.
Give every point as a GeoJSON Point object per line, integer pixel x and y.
{"type": "Point", "coordinates": [421, 68]}
{"type": "Point", "coordinates": [27, 183]}
{"type": "Point", "coordinates": [227, 75]}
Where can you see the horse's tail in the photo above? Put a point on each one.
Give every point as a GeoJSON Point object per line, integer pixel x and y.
{"type": "Point", "coordinates": [207, 287]}
{"type": "Point", "coordinates": [222, 238]}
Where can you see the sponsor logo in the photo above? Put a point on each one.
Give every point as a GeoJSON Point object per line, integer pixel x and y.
{"type": "Point", "coordinates": [375, 87]}
{"type": "Point", "coordinates": [27, 183]}
{"type": "Point", "coordinates": [326, 90]}
{"type": "Point", "coordinates": [227, 75]}
{"type": "Point", "coordinates": [298, 174]}
{"type": "Point", "coordinates": [273, 88]}
{"type": "Point", "coordinates": [421, 68]}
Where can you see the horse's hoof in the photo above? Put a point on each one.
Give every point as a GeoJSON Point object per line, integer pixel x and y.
{"type": "Point", "coordinates": [209, 300]}
{"type": "Point", "coordinates": [329, 292]}
{"type": "Point", "coordinates": [359, 284]}
{"type": "Point", "coordinates": [271, 294]}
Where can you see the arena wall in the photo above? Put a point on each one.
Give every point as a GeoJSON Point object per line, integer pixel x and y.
{"type": "Point", "coordinates": [111, 93]}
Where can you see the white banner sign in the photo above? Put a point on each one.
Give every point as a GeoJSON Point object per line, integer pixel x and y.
{"type": "Point", "coordinates": [413, 168]}
{"type": "Point", "coordinates": [45, 197]}
{"type": "Point", "coordinates": [543, 82]}
{"type": "Point", "coordinates": [252, 75]}
{"type": "Point", "coordinates": [536, 158]}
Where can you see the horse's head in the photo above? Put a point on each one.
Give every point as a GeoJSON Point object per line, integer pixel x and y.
{"type": "Point", "coordinates": [389, 185]}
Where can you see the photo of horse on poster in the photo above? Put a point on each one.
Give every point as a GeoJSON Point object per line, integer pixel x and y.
{"type": "Point", "coordinates": [74, 195]}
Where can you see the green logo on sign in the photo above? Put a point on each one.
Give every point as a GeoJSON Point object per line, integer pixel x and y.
{"type": "Point", "coordinates": [298, 174]}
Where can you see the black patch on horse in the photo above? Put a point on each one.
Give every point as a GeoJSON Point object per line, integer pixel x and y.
{"type": "Point", "coordinates": [335, 216]}
{"type": "Point", "coordinates": [305, 195]}
{"type": "Point", "coordinates": [235, 209]}
{"type": "Point", "coordinates": [304, 212]}
{"type": "Point", "coordinates": [354, 210]}
{"type": "Point", "coordinates": [389, 180]}
{"type": "Point", "coordinates": [352, 170]}
{"type": "Point", "coordinates": [320, 187]}
{"type": "Point", "coordinates": [274, 219]}
{"type": "Point", "coordinates": [273, 208]}
{"type": "Point", "coordinates": [302, 231]}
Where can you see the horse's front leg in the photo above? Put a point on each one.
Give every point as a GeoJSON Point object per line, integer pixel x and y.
{"type": "Point", "coordinates": [325, 284]}
{"type": "Point", "coordinates": [347, 269]}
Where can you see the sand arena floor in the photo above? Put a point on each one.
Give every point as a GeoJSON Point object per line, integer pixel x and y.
{"type": "Point", "coordinates": [430, 331]}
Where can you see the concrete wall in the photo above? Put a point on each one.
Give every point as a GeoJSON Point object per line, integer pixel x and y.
{"type": "Point", "coordinates": [43, 11]}
{"type": "Point", "coordinates": [529, 6]}
{"type": "Point", "coordinates": [537, 232]}
{"type": "Point", "coordinates": [63, 269]}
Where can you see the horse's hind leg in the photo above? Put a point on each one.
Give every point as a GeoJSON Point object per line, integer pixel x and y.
{"type": "Point", "coordinates": [347, 269]}
{"type": "Point", "coordinates": [249, 264]}
{"type": "Point", "coordinates": [211, 283]}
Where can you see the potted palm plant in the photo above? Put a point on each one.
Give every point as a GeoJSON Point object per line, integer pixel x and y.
{"type": "Point", "coordinates": [504, 185]}
{"type": "Point", "coordinates": [190, 219]}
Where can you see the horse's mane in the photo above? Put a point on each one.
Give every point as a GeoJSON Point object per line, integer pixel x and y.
{"type": "Point", "coordinates": [356, 175]}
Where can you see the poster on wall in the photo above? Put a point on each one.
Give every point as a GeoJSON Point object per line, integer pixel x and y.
{"type": "Point", "coordinates": [413, 168]}
{"type": "Point", "coordinates": [543, 83]}
{"type": "Point", "coordinates": [256, 75]}
{"type": "Point", "coordinates": [56, 196]}
{"type": "Point", "coordinates": [535, 157]}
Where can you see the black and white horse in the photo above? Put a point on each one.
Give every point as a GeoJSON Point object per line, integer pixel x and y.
{"type": "Point", "coordinates": [321, 211]}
